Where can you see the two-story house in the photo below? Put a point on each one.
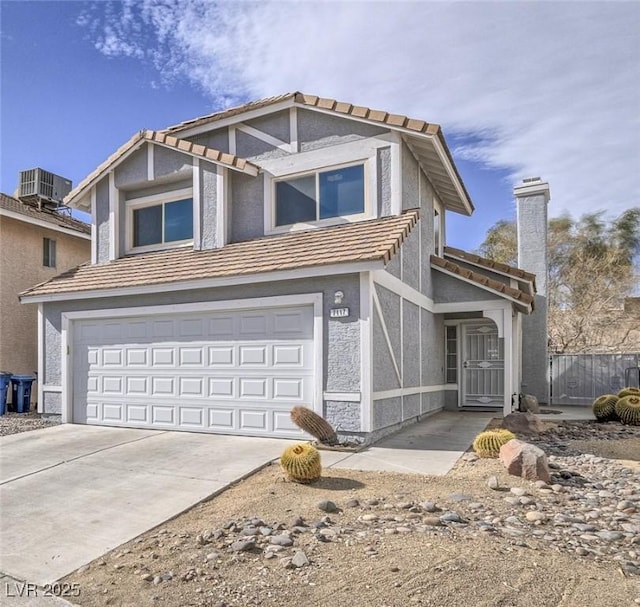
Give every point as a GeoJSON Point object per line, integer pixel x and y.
{"type": "Point", "coordinates": [287, 252]}
{"type": "Point", "coordinates": [36, 244]}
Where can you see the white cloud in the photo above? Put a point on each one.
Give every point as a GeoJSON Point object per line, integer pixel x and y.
{"type": "Point", "coordinates": [544, 88]}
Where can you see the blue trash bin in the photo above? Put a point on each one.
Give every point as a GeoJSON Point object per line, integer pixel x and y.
{"type": "Point", "coordinates": [4, 388]}
{"type": "Point", "coordinates": [21, 392]}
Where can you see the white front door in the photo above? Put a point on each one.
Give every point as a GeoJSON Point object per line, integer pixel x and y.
{"type": "Point", "coordinates": [231, 372]}
{"type": "Point", "coordinates": [482, 366]}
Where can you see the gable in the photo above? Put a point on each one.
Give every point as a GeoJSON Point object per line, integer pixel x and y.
{"type": "Point", "coordinates": [317, 130]}
{"type": "Point", "coordinates": [449, 289]}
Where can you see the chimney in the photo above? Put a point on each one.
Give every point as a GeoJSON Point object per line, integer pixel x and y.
{"type": "Point", "coordinates": [532, 197]}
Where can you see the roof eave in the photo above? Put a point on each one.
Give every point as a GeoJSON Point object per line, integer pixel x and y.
{"type": "Point", "coordinates": [523, 305]}
{"type": "Point", "coordinates": [78, 197]}
{"type": "Point", "coordinates": [348, 267]}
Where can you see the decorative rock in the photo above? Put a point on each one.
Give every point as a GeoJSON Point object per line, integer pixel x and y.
{"type": "Point", "coordinates": [525, 460]}
{"type": "Point", "coordinates": [369, 517]}
{"type": "Point", "coordinates": [493, 483]}
{"type": "Point", "coordinates": [243, 545]}
{"type": "Point", "coordinates": [299, 559]}
{"type": "Point", "coordinates": [609, 536]}
{"type": "Point", "coordinates": [534, 516]}
{"type": "Point", "coordinates": [327, 506]}
{"type": "Point", "coordinates": [281, 540]}
{"type": "Point", "coordinates": [530, 403]}
{"type": "Point", "coordinates": [459, 497]}
{"type": "Point", "coordinates": [429, 507]}
{"type": "Point", "coordinates": [451, 517]}
{"type": "Point", "coordinates": [519, 491]}
{"type": "Point", "coordinates": [470, 457]}
{"type": "Point", "coordinates": [432, 521]}
{"type": "Point", "coordinates": [212, 556]}
{"type": "Point", "coordinates": [353, 503]}
{"type": "Point", "coordinates": [523, 423]}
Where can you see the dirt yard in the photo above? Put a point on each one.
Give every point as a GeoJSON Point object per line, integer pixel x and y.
{"type": "Point", "coordinates": [370, 553]}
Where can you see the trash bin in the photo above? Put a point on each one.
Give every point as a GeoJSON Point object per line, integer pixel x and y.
{"type": "Point", "coordinates": [21, 392]}
{"type": "Point", "coordinates": [4, 388]}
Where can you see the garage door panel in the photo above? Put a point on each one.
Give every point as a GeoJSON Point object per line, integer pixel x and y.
{"type": "Point", "coordinates": [137, 414]}
{"type": "Point", "coordinates": [192, 356]}
{"type": "Point", "coordinates": [112, 357]}
{"type": "Point", "coordinates": [221, 356]}
{"type": "Point", "coordinates": [163, 414]}
{"type": "Point", "coordinates": [191, 387]}
{"type": "Point", "coordinates": [222, 419]}
{"type": "Point", "coordinates": [112, 412]}
{"type": "Point", "coordinates": [163, 386]}
{"type": "Point", "coordinates": [234, 372]}
{"type": "Point", "coordinates": [252, 356]}
{"type": "Point", "coordinates": [137, 357]}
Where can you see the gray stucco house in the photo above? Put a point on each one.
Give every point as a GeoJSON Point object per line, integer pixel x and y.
{"type": "Point", "coordinates": [288, 251]}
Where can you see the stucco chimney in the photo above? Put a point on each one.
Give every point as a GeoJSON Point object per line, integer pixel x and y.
{"type": "Point", "coordinates": [532, 197]}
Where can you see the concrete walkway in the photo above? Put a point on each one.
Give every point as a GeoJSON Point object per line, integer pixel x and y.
{"type": "Point", "coordinates": [429, 447]}
{"type": "Point", "coordinates": [70, 493]}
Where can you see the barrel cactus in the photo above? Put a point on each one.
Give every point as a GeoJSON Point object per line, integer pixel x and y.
{"type": "Point", "coordinates": [604, 408]}
{"type": "Point", "coordinates": [488, 443]}
{"type": "Point", "coordinates": [315, 425]}
{"type": "Point", "coordinates": [628, 410]}
{"type": "Point", "coordinates": [301, 463]}
{"type": "Point", "coordinates": [629, 392]}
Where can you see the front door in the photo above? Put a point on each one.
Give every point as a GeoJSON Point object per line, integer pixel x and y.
{"type": "Point", "coordinates": [482, 366]}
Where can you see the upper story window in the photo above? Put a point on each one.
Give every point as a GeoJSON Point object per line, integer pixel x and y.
{"type": "Point", "coordinates": [161, 221]}
{"type": "Point", "coordinates": [437, 236]}
{"type": "Point", "coordinates": [321, 195]}
{"type": "Point", "coordinates": [48, 253]}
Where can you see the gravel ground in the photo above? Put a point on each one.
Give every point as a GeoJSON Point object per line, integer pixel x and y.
{"type": "Point", "coordinates": [397, 540]}
{"type": "Point", "coordinates": [13, 423]}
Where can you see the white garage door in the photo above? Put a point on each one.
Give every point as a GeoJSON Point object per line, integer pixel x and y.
{"type": "Point", "coordinates": [232, 372]}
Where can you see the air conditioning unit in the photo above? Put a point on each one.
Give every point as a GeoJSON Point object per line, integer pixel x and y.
{"type": "Point", "coordinates": [43, 185]}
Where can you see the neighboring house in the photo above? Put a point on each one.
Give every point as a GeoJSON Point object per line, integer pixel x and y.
{"type": "Point", "coordinates": [35, 245]}
{"type": "Point", "coordinates": [287, 252]}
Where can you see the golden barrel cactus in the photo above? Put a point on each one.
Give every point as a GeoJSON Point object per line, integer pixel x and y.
{"type": "Point", "coordinates": [301, 463]}
{"type": "Point", "coordinates": [488, 443]}
{"type": "Point", "coordinates": [313, 424]}
{"type": "Point", "coordinates": [628, 410]}
{"type": "Point", "coordinates": [629, 392]}
{"type": "Point", "coordinates": [604, 408]}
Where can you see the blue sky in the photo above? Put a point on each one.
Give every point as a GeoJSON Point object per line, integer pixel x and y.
{"type": "Point", "coordinates": [520, 88]}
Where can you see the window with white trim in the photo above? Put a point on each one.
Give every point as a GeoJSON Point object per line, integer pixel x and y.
{"type": "Point", "coordinates": [48, 253]}
{"type": "Point", "coordinates": [320, 195]}
{"type": "Point", "coordinates": [437, 233]}
{"type": "Point", "coordinates": [452, 354]}
{"type": "Point", "coordinates": [163, 221]}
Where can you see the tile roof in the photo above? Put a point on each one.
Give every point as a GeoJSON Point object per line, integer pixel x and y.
{"type": "Point", "coordinates": [373, 240]}
{"type": "Point", "coordinates": [323, 103]}
{"type": "Point", "coordinates": [499, 288]}
{"type": "Point", "coordinates": [9, 203]}
{"type": "Point", "coordinates": [456, 197]}
{"type": "Point", "coordinates": [170, 141]}
{"type": "Point", "coordinates": [500, 268]}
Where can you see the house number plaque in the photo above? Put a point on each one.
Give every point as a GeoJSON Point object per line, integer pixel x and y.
{"type": "Point", "coordinates": [339, 312]}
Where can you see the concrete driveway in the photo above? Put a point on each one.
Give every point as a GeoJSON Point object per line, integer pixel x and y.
{"type": "Point", "coordinates": [70, 493]}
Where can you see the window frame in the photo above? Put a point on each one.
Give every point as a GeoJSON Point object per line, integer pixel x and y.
{"type": "Point", "coordinates": [340, 219]}
{"type": "Point", "coordinates": [134, 204]}
{"type": "Point", "coordinates": [48, 252]}
{"type": "Point", "coordinates": [439, 237]}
